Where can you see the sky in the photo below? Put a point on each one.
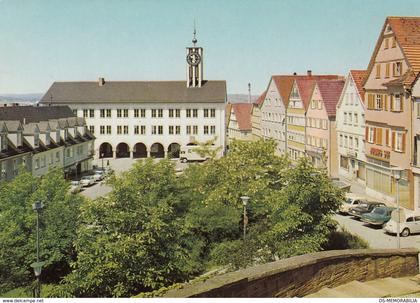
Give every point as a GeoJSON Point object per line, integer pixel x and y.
{"type": "Point", "coordinates": [42, 41]}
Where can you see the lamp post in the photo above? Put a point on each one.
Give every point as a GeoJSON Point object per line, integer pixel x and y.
{"type": "Point", "coordinates": [37, 266]}
{"type": "Point", "coordinates": [245, 200]}
{"type": "Point", "coordinates": [102, 157]}
{"type": "Point", "coordinates": [396, 172]}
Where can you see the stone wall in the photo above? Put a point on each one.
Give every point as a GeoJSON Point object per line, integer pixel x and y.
{"type": "Point", "coordinates": [306, 274]}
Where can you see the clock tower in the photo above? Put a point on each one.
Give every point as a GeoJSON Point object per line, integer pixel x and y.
{"type": "Point", "coordinates": [194, 64]}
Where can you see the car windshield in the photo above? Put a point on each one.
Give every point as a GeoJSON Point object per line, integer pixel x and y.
{"type": "Point", "coordinates": [379, 211]}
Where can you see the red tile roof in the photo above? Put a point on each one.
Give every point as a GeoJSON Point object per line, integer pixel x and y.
{"type": "Point", "coordinates": [284, 83]}
{"type": "Point", "coordinates": [407, 34]}
{"type": "Point", "coordinates": [243, 115]}
{"type": "Point", "coordinates": [260, 99]}
{"type": "Point", "coordinates": [358, 78]}
{"type": "Point", "coordinates": [305, 87]}
{"type": "Point", "coordinates": [330, 92]}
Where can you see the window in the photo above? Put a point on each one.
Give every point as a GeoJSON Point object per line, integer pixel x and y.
{"type": "Point", "coordinates": [351, 142]}
{"type": "Point", "coordinates": [171, 113]}
{"type": "Point", "coordinates": [206, 129]}
{"type": "Point", "coordinates": [213, 112]}
{"type": "Point", "coordinates": [154, 111]}
{"type": "Point", "coordinates": [91, 113]}
{"type": "Point", "coordinates": [341, 140]}
{"type": "Point", "coordinates": [350, 118]}
{"type": "Point", "coordinates": [345, 118]}
{"type": "Point", "coordinates": [356, 118]}
{"type": "Point", "coordinates": [142, 113]}
{"type": "Point", "coordinates": [324, 124]}
{"type": "Point", "coordinates": [108, 113]}
{"type": "Point", "coordinates": [160, 130]}
{"type": "Point", "coordinates": [356, 143]}
{"type": "Point", "coordinates": [371, 134]}
{"type": "Point", "coordinates": [154, 130]}
{"type": "Point", "coordinates": [378, 70]}
{"type": "Point", "coordinates": [313, 104]}
{"type": "Point", "coordinates": [125, 112]}
{"type": "Point", "coordinates": [394, 42]}
{"type": "Point", "coordinates": [177, 113]}
{"type": "Point", "coordinates": [85, 113]}
{"type": "Point", "coordinates": [36, 140]}
{"type": "Point", "coordinates": [119, 129]}
{"type": "Point", "coordinates": [351, 99]}
{"type": "Point", "coordinates": [75, 112]}
{"type": "Point", "coordinates": [195, 113]}
{"type": "Point", "coordinates": [160, 113]}
{"type": "Point", "coordinates": [125, 129]}
{"type": "Point", "coordinates": [92, 128]}
{"type": "Point", "coordinates": [319, 104]}
{"type": "Point", "coordinates": [206, 113]}
{"type": "Point", "coordinates": [136, 112]}
{"type": "Point", "coordinates": [102, 129]}
{"type": "Point", "coordinates": [346, 139]}
{"type": "Point", "coordinates": [397, 69]}
{"type": "Point", "coordinates": [102, 113]}
{"type": "Point", "coordinates": [142, 129]}
{"type": "Point", "coordinates": [396, 104]}
{"type": "Point", "coordinates": [387, 67]}
{"type": "Point", "coordinates": [188, 129]}
{"type": "Point", "coordinates": [195, 129]}
{"type": "Point", "coordinates": [3, 142]}
{"type": "Point", "coordinates": [108, 129]}
{"type": "Point", "coordinates": [136, 129]}
{"type": "Point", "coordinates": [119, 113]}
{"type": "Point", "coordinates": [188, 113]}
{"type": "Point", "coordinates": [386, 43]}
{"type": "Point", "coordinates": [171, 129]}
{"type": "Point", "coordinates": [378, 101]}
{"type": "Point", "coordinates": [212, 129]}
{"type": "Point", "coordinates": [178, 130]}
{"type": "Point", "coordinates": [399, 141]}
{"type": "Point", "coordinates": [418, 109]}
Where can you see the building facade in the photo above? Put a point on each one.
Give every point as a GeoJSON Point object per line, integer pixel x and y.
{"type": "Point", "coordinates": [350, 120]}
{"type": "Point", "coordinates": [416, 142]}
{"type": "Point", "coordinates": [240, 127]}
{"type": "Point", "coordinates": [392, 69]}
{"type": "Point", "coordinates": [38, 139]}
{"type": "Point", "coordinates": [256, 118]}
{"type": "Point", "coordinates": [148, 118]}
{"type": "Point", "coordinates": [321, 134]}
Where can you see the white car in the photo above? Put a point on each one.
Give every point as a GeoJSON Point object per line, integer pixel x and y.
{"type": "Point", "coordinates": [87, 181]}
{"type": "Point", "coordinates": [99, 175]}
{"type": "Point", "coordinates": [75, 187]}
{"type": "Point", "coordinates": [410, 223]}
{"type": "Point", "coordinates": [350, 201]}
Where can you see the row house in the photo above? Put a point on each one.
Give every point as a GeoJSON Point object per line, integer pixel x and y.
{"type": "Point", "coordinates": [391, 73]}
{"type": "Point", "coordinates": [416, 142]}
{"type": "Point", "coordinates": [351, 128]}
{"type": "Point", "coordinates": [240, 127]}
{"type": "Point", "coordinates": [321, 135]}
{"type": "Point", "coordinates": [40, 138]}
{"type": "Point", "coordinates": [256, 118]}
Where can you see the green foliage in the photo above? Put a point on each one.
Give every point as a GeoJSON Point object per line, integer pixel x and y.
{"type": "Point", "coordinates": [135, 239]}
{"type": "Point", "coordinates": [344, 240]}
{"type": "Point", "coordinates": [58, 221]}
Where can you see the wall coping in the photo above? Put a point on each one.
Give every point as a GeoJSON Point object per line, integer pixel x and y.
{"type": "Point", "coordinates": [269, 269]}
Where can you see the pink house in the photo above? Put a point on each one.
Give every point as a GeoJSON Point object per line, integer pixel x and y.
{"type": "Point", "coordinates": [321, 135]}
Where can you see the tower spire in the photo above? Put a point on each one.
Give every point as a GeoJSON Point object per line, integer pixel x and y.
{"type": "Point", "coordinates": [194, 40]}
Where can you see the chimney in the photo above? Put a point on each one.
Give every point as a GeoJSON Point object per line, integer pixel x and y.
{"type": "Point", "coordinates": [309, 72]}
{"type": "Point", "coordinates": [101, 81]}
{"type": "Point", "coordinates": [294, 74]}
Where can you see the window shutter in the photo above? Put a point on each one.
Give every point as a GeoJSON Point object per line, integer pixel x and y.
{"type": "Point", "coordinates": [374, 134]}
{"type": "Point", "coordinates": [379, 136]}
{"type": "Point", "coordinates": [367, 134]}
{"type": "Point", "coordinates": [401, 102]}
{"type": "Point", "coordinates": [387, 137]}
{"type": "Point", "coordinates": [386, 103]}
{"type": "Point", "coordinates": [393, 140]}
{"type": "Point", "coordinates": [392, 103]}
{"type": "Point", "coordinates": [382, 101]}
{"type": "Point", "coordinates": [403, 143]}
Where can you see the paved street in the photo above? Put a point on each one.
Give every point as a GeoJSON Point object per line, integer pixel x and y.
{"type": "Point", "coordinates": [376, 237]}
{"type": "Point", "coordinates": [118, 165]}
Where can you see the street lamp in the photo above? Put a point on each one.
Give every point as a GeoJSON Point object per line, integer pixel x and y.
{"type": "Point", "coordinates": [37, 266]}
{"type": "Point", "coordinates": [245, 200]}
{"type": "Point", "coordinates": [396, 172]}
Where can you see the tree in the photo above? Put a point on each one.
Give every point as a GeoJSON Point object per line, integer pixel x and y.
{"type": "Point", "coordinates": [134, 239]}
{"type": "Point", "coordinates": [58, 222]}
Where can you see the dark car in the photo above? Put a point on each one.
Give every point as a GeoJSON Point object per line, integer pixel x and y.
{"type": "Point", "coordinates": [379, 216]}
{"type": "Point", "coordinates": [365, 207]}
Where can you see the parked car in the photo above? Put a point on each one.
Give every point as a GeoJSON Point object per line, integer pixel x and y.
{"type": "Point", "coordinates": [98, 175]}
{"type": "Point", "coordinates": [410, 224]}
{"type": "Point", "coordinates": [87, 180]}
{"type": "Point", "coordinates": [75, 186]}
{"type": "Point", "coordinates": [378, 216]}
{"type": "Point", "coordinates": [350, 201]}
{"type": "Point", "coordinates": [363, 208]}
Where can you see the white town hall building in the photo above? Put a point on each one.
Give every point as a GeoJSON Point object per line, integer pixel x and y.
{"type": "Point", "coordinates": [148, 118]}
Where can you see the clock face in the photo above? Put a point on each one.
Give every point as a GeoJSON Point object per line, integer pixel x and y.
{"type": "Point", "coordinates": [193, 59]}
